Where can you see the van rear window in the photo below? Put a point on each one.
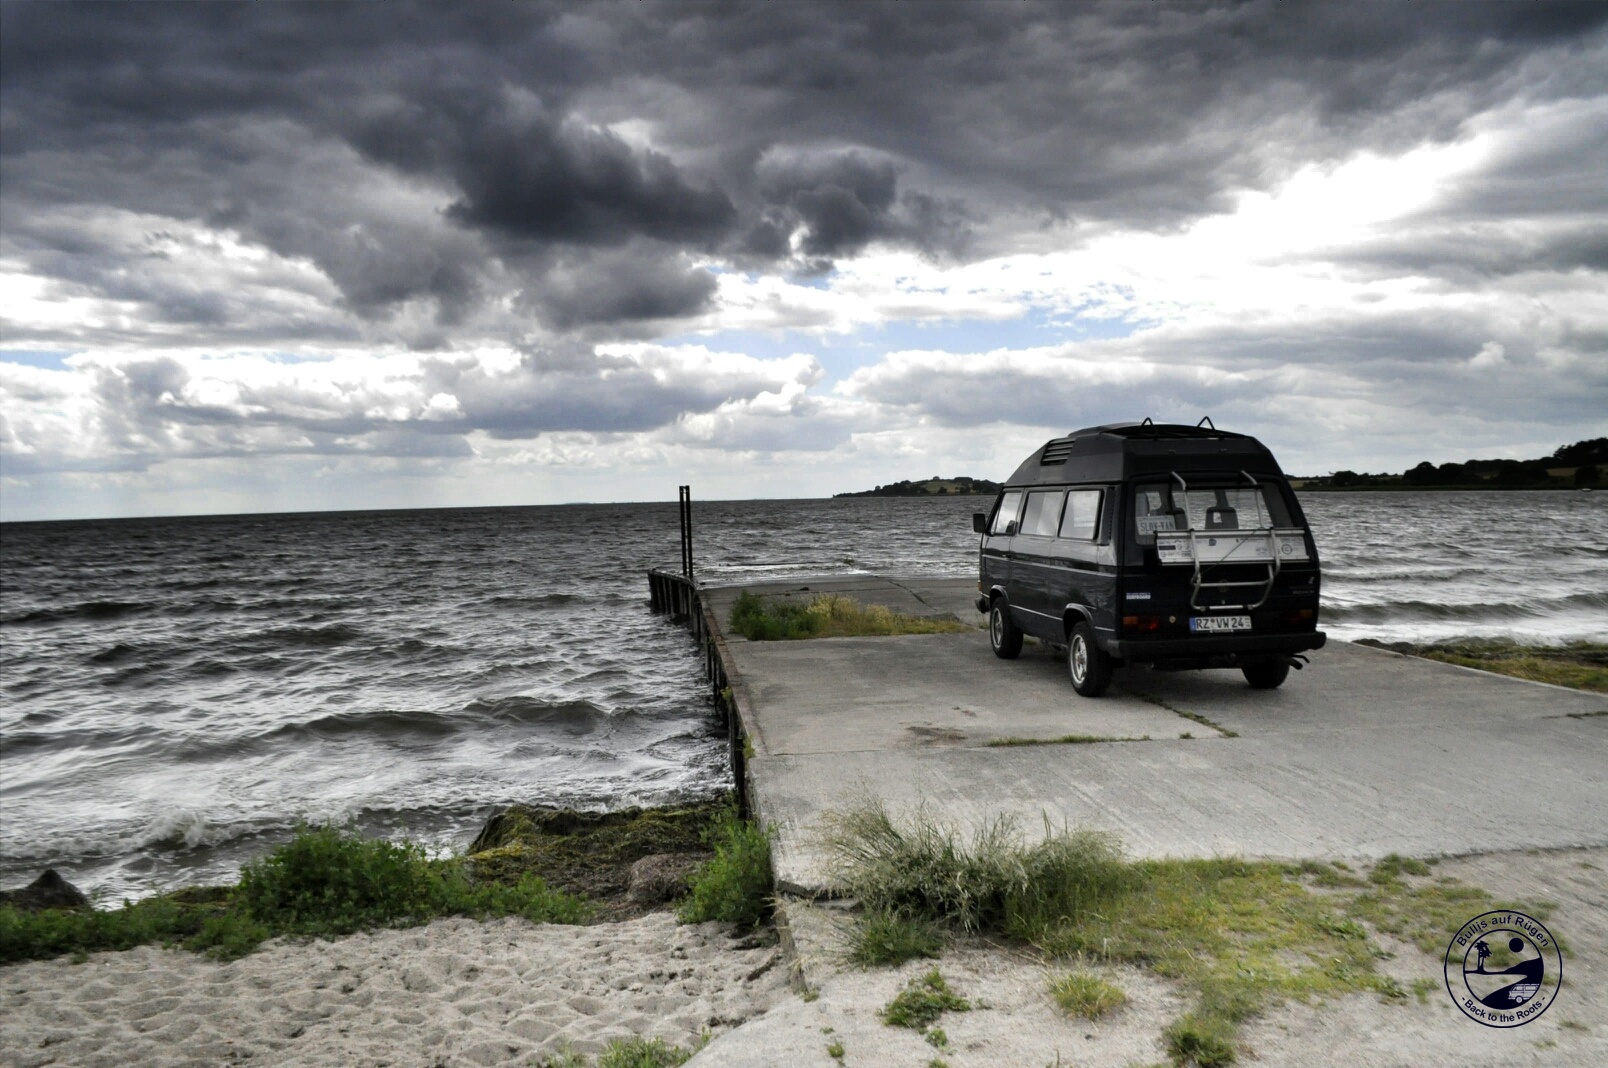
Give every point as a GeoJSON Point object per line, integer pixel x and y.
{"type": "Point", "coordinates": [1166, 507]}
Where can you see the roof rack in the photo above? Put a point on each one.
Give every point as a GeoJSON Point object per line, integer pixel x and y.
{"type": "Point", "coordinates": [1168, 431]}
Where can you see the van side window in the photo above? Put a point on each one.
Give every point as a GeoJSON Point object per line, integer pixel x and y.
{"type": "Point", "coordinates": [1082, 519]}
{"type": "Point", "coordinates": [1042, 513]}
{"type": "Point", "coordinates": [1008, 506]}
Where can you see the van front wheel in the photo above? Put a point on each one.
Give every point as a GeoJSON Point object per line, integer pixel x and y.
{"type": "Point", "coordinates": [1088, 664]}
{"type": "Point", "coordinates": [1266, 674]}
{"type": "Point", "coordinates": [1003, 633]}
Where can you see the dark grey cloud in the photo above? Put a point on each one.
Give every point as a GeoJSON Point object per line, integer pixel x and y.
{"type": "Point", "coordinates": [637, 285]}
{"type": "Point", "coordinates": [954, 129]}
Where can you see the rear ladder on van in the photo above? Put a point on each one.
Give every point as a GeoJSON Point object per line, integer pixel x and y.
{"type": "Point", "coordinates": [1266, 545]}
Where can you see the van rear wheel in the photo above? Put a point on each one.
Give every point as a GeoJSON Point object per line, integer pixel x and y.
{"type": "Point", "coordinates": [1003, 633]}
{"type": "Point", "coordinates": [1087, 663]}
{"type": "Point", "coordinates": [1266, 674]}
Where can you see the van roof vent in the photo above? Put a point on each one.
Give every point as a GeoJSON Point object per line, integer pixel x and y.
{"type": "Point", "coordinates": [1056, 452]}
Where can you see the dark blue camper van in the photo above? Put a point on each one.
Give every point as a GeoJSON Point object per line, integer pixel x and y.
{"type": "Point", "coordinates": [1151, 543]}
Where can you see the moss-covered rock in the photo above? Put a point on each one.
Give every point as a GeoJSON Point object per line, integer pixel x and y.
{"type": "Point", "coordinates": [590, 853]}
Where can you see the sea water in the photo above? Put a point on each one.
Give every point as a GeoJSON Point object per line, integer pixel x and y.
{"type": "Point", "coordinates": [179, 693]}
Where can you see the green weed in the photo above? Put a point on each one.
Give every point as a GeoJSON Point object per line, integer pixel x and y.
{"type": "Point", "coordinates": [924, 869]}
{"type": "Point", "coordinates": [1200, 1039]}
{"type": "Point", "coordinates": [923, 1000]}
{"type": "Point", "coordinates": [1087, 996]}
{"type": "Point", "coordinates": [642, 1053]}
{"type": "Point", "coordinates": [323, 882]}
{"type": "Point", "coordinates": [888, 938]}
{"type": "Point", "coordinates": [564, 1058]}
{"type": "Point", "coordinates": [734, 886]}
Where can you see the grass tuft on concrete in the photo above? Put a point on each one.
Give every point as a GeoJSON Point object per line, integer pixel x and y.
{"type": "Point", "coordinates": [828, 615]}
{"type": "Point", "coordinates": [991, 881]}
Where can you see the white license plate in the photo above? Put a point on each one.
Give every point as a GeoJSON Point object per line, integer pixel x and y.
{"type": "Point", "coordinates": [1218, 624]}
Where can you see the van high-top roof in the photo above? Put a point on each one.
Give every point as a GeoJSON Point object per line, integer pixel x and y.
{"type": "Point", "coordinates": [1118, 451]}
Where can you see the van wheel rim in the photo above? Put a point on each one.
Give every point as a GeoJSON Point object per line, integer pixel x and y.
{"type": "Point", "coordinates": [1080, 660]}
{"type": "Point", "coordinates": [995, 627]}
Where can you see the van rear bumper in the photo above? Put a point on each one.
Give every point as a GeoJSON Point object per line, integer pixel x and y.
{"type": "Point", "coordinates": [1144, 650]}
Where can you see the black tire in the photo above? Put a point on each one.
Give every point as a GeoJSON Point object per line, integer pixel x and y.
{"type": "Point", "coordinates": [1003, 633]}
{"type": "Point", "coordinates": [1087, 663]}
{"type": "Point", "coordinates": [1266, 674]}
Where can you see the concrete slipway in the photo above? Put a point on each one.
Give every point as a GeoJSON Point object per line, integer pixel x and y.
{"type": "Point", "coordinates": [1363, 753]}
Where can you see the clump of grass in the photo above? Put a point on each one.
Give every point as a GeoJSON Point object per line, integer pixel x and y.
{"type": "Point", "coordinates": [889, 938]}
{"type": "Point", "coordinates": [1393, 865]}
{"type": "Point", "coordinates": [736, 885]}
{"type": "Point", "coordinates": [828, 615]}
{"type": "Point", "coordinates": [1200, 1039]}
{"type": "Point", "coordinates": [834, 1049]}
{"type": "Point", "coordinates": [923, 1000]}
{"type": "Point", "coordinates": [642, 1053]}
{"type": "Point", "coordinates": [626, 1053]}
{"type": "Point", "coordinates": [1087, 996]}
{"type": "Point", "coordinates": [53, 932]}
{"type": "Point", "coordinates": [328, 881]}
{"type": "Point", "coordinates": [994, 880]}
{"type": "Point", "coordinates": [323, 882]}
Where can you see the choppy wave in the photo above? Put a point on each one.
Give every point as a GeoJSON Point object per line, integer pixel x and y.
{"type": "Point", "coordinates": [89, 610]}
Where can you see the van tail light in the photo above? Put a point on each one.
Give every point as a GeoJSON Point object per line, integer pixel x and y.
{"type": "Point", "coordinates": [1298, 618]}
{"type": "Point", "coordinates": [1141, 624]}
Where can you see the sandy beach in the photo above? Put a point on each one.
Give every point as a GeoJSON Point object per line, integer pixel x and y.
{"type": "Point", "coordinates": [507, 992]}
{"type": "Point", "coordinates": [454, 993]}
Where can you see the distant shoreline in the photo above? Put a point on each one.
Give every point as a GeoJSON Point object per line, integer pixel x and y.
{"type": "Point", "coordinates": [1396, 487]}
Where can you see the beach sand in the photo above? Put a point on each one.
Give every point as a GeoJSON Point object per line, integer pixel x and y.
{"type": "Point", "coordinates": [460, 993]}
{"type": "Point", "coordinates": [455, 992]}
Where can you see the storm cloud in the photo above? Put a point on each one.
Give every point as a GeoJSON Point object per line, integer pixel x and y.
{"type": "Point", "coordinates": [211, 190]}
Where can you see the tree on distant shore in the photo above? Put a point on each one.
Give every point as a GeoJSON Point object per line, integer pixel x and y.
{"type": "Point", "coordinates": [1590, 452]}
{"type": "Point", "coordinates": [1585, 456]}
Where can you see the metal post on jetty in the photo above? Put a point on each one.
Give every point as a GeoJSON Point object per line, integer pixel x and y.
{"type": "Point", "coordinates": [686, 530]}
{"type": "Point", "coordinates": [680, 597]}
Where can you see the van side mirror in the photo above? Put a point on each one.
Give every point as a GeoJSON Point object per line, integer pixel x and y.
{"type": "Point", "coordinates": [980, 522]}
{"type": "Point", "coordinates": [1010, 529]}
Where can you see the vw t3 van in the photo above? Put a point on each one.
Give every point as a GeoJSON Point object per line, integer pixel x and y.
{"type": "Point", "coordinates": [1151, 543]}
